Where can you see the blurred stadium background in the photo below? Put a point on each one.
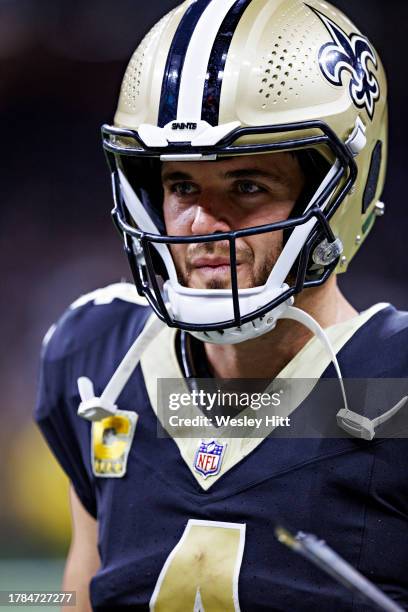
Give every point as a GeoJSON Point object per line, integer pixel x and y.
{"type": "Point", "coordinates": [61, 64]}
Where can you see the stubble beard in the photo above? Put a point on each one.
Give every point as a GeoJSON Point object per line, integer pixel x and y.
{"type": "Point", "coordinates": [255, 277]}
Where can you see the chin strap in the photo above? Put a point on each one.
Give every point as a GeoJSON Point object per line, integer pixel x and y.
{"type": "Point", "coordinates": [296, 314]}
{"type": "Point", "coordinates": [95, 408]}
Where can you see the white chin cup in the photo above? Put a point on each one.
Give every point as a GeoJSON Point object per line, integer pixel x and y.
{"type": "Point", "coordinates": [210, 306]}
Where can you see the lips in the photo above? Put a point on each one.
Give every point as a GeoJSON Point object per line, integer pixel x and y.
{"type": "Point", "coordinates": [210, 268]}
{"type": "Point", "coordinates": [211, 262]}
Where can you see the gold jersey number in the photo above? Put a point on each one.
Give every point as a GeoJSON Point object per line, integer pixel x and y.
{"type": "Point", "coordinates": [201, 573]}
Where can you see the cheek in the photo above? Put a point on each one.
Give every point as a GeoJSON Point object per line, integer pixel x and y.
{"type": "Point", "coordinates": [178, 252]}
{"type": "Point", "coordinates": [266, 245]}
{"type": "Point", "coordinates": [270, 213]}
{"type": "Point", "coordinates": [177, 220]}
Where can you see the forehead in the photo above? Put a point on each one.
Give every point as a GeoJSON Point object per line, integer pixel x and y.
{"type": "Point", "coordinates": [279, 165]}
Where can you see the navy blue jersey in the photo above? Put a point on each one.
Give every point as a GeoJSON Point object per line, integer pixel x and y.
{"type": "Point", "coordinates": [170, 539]}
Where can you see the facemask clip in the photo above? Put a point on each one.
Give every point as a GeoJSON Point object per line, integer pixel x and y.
{"type": "Point", "coordinates": [327, 252]}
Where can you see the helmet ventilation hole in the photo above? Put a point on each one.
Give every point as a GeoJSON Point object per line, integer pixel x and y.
{"type": "Point", "coordinates": [290, 57]}
{"type": "Point", "coordinates": [131, 86]}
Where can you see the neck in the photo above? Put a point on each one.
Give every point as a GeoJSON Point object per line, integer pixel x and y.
{"type": "Point", "coordinates": [266, 356]}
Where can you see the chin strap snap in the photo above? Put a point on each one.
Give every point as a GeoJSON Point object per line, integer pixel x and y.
{"type": "Point", "coordinates": [362, 427]}
{"type": "Point", "coordinates": [351, 422]}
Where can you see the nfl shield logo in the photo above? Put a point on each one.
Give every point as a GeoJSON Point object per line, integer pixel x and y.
{"type": "Point", "coordinates": [208, 458]}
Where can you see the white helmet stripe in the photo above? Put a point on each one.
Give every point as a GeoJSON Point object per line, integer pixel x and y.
{"type": "Point", "coordinates": [197, 58]}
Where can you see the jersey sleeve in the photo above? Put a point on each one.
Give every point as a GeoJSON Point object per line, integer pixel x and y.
{"type": "Point", "coordinates": [89, 340]}
{"type": "Point", "coordinates": [67, 435]}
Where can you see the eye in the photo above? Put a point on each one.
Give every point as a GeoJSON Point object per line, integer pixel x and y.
{"type": "Point", "coordinates": [184, 189]}
{"type": "Point", "coordinates": [249, 188]}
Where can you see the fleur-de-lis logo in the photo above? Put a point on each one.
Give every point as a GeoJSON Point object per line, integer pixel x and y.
{"type": "Point", "coordinates": [350, 54]}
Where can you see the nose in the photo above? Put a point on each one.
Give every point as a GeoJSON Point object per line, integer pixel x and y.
{"type": "Point", "coordinates": [211, 216]}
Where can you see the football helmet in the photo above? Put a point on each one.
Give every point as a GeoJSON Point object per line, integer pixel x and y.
{"type": "Point", "coordinates": [222, 78]}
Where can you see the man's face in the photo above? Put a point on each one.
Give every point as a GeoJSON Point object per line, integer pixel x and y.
{"type": "Point", "coordinates": [233, 194]}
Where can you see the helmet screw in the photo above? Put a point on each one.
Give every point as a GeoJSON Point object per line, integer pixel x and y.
{"type": "Point", "coordinates": [343, 261]}
{"type": "Point", "coordinates": [358, 239]}
{"type": "Point", "coordinates": [379, 209]}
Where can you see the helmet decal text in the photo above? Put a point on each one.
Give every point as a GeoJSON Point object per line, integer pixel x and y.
{"type": "Point", "coordinates": [351, 54]}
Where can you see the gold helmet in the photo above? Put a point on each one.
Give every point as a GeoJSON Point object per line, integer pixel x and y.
{"type": "Point", "coordinates": [217, 78]}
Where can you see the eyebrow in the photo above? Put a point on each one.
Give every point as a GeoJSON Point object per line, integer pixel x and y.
{"type": "Point", "coordinates": [256, 173]}
{"type": "Point", "coordinates": [176, 176]}
{"type": "Point", "coordinates": [232, 174]}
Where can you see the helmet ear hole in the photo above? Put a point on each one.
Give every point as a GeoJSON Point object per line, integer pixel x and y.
{"type": "Point", "coordinates": [373, 176]}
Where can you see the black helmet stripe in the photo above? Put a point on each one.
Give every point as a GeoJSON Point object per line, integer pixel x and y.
{"type": "Point", "coordinates": [216, 64]}
{"type": "Point", "coordinates": [175, 61]}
